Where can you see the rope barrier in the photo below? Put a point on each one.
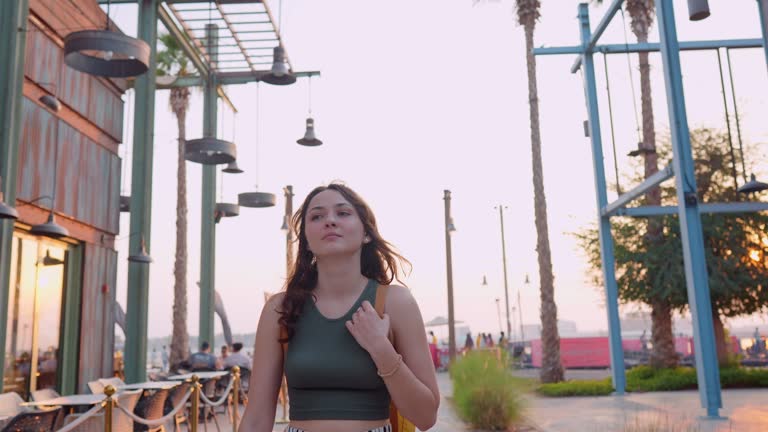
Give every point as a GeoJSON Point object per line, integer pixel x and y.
{"type": "Point", "coordinates": [83, 417]}
{"type": "Point", "coordinates": [159, 421]}
{"type": "Point", "coordinates": [223, 396]}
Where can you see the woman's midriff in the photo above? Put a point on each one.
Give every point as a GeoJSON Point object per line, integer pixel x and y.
{"type": "Point", "coordinates": [338, 425]}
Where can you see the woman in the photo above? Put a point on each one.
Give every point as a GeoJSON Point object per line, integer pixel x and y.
{"type": "Point", "coordinates": [340, 365]}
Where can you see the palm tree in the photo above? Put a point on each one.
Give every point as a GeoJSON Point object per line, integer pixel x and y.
{"type": "Point", "coordinates": [551, 368]}
{"type": "Point", "coordinates": [641, 13]}
{"type": "Point", "coordinates": [172, 61]}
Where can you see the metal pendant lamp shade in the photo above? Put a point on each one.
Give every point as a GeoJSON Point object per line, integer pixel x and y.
{"type": "Point", "coordinates": [48, 260]}
{"type": "Point", "coordinates": [142, 257]}
{"type": "Point", "coordinates": [309, 136]}
{"type": "Point", "coordinates": [279, 75]}
{"type": "Point", "coordinates": [227, 210]}
{"type": "Point", "coordinates": [6, 211]}
{"type": "Point", "coordinates": [698, 9]}
{"type": "Point", "coordinates": [125, 203]}
{"type": "Point", "coordinates": [50, 102]}
{"type": "Point", "coordinates": [106, 53]}
{"type": "Point", "coordinates": [232, 168]}
{"type": "Point", "coordinates": [256, 199]}
{"type": "Point", "coordinates": [50, 228]}
{"type": "Point", "coordinates": [210, 151]}
{"type": "Point", "coordinates": [753, 186]}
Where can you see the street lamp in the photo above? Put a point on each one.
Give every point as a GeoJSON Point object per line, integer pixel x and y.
{"type": "Point", "coordinates": [449, 228]}
{"type": "Point", "coordinates": [498, 312]}
{"type": "Point", "coordinates": [504, 263]}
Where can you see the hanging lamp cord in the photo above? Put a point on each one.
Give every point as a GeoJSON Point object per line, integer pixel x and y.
{"type": "Point", "coordinates": [631, 78]}
{"type": "Point", "coordinates": [610, 118]}
{"type": "Point", "coordinates": [736, 113]}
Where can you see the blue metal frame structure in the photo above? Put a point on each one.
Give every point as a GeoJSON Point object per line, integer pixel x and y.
{"type": "Point", "coordinates": [682, 169]}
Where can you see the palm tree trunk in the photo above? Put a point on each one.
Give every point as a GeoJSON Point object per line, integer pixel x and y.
{"type": "Point", "coordinates": [663, 353]}
{"type": "Point", "coordinates": [551, 368]}
{"type": "Point", "coordinates": [180, 337]}
{"type": "Point", "coordinates": [721, 343]}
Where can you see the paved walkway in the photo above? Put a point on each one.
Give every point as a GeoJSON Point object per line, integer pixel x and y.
{"type": "Point", "coordinates": [745, 411]}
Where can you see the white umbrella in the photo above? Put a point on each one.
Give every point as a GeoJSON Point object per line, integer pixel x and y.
{"type": "Point", "coordinates": [440, 321]}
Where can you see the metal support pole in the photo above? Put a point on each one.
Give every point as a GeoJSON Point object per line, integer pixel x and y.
{"type": "Point", "coordinates": [195, 411]}
{"type": "Point", "coordinates": [606, 240]}
{"type": "Point", "coordinates": [13, 21]}
{"type": "Point", "coordinates": [235, 397]}
{"type": "Point", "coordinates": [504, 262]}
{"type": "Point", "coordinates": [449, 273]}
{"type": "Point", "coordinates": [762, 6]}
{"type": "Point", "coordinates": [208, 225]}
{"type": "Point", "coordinates": [109, 391]}
{"type": "Point", "coordinates": [141, 201]}
{"type": "Point", "coordinates": [696, 277]}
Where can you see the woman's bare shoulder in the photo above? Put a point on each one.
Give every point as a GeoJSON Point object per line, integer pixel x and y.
{"type": "Point", "coordinates": [274, 304]}
{"type": "Point", "coordinates": [399, 298]}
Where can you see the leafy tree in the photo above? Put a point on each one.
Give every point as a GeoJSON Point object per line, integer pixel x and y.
{"type": "Point", "coordinates": [736, 245]}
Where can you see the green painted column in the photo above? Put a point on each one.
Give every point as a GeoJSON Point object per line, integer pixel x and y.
{"type": "Point", "coordinates": [13, 22]}
{"type": "Point", "coordinates": [208, 225]}
{"type": "Point", "coordinates": [141, 202]}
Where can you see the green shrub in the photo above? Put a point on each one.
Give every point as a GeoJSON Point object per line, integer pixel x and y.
{"type": "Point", "coordinates": [485, 393]}
{"type": "Point", "coordinates": [740, 377]}
{"type": "Point", "coordinates": [577, 388]}
{"type": "Point", "coordinates": [646, 378]}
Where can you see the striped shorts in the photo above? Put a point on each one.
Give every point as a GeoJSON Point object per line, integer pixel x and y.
{"type": "Point", "coordinates": [385, 428]}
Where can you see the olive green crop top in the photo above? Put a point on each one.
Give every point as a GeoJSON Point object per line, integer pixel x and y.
{"type": "Point", "coordinates": [330, 376]}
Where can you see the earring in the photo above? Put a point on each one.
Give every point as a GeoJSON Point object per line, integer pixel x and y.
{"type": "Point", "coordinates": [366, 239]}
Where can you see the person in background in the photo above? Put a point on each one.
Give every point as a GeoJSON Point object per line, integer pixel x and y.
{"type": "Point", "coordinates": [479, 341]}
{"type": "Point", "coordinates": [237, 358]}
{"type": "Point", "coordinates": [221, 358]}
{"type": "Point", "coordinates": [203, 360]}
{"type": "Point", "coordinates": [469, 343]}
{"type": "Point", "coordinates": [433, 349]}
{"type": "Point", "coordinates": [432, 338]}
{"type": "Point", "coordinates": [164, 358]}
{"type": "Point", "coordinates": [503, 341]}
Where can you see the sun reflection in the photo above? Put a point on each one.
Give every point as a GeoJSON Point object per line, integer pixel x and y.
{"type": "Point", "coordinates": [754, 255]}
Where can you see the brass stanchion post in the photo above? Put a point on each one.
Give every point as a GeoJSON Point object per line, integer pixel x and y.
{"type": "Point", "coordinates": [235, 396]}
{"type": "Point", "coordinates": [195, 403]}
{"type": "Point", "coordinates": [109, 390]}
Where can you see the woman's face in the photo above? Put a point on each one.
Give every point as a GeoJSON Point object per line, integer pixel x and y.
{"type": "Point", "coordinates": [332, 226]}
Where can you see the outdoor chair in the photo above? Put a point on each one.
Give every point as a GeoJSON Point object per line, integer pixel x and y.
{"type": "Point", "coordinates": [32, 421]}
{"type": "Point", "coordinates": [10, 404]}
{"type": "Point", "coordinates": [44, 394]}
{"type": "Point", "coordinates": [150, 407]}
{"type": "Point", "coordinates": [120, 421]}
{"type": "Point", "coordinates": [96, 387]}
{"type": "Point", "coordinates": [113, 381]}
{"type": "Point", "coordinates": [175, 397]}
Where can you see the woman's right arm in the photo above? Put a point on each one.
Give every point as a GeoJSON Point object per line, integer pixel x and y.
{"type": "Point", "coordinates": [266, 371]}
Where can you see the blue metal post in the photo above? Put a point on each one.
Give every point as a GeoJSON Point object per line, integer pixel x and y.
{"type": "Point", "coordinates": [606, 240]}
{"type": "Point", "coordinates": [141, 202]}
{"type": "Point", "coordinates": [762, 6]}
{"type": "Point", "coordinates": [13, 21]}
{"type": "Point", "coordinates": [696, 277]}
{"type": "Point", "coordinates": [208, 225]}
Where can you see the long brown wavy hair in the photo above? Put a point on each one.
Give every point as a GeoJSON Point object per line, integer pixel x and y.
{"type": "Point", "coordinates": [378, 260]}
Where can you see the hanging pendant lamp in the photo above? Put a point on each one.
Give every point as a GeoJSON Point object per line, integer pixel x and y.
{"type": "Point", "coordinates": [698, 9]}
{"type": "Point", "coordinates": [210, 151]}
{"type": "Point", "coordinates": [226, 210]}
{"type": "Point", "coordinates": [256, 199]}
{"type": "Point", "coordinates": [106, 53]}
{"type": "Point", "coordinates": [280, 74]}
{"type": "Point", "coordinates": [6, 211]}
{"type": "Point", "coordinates": [232, 168]}
{"type": "Point", "coordinates": [142, 257]}
{"type": "Point", "coordinates": [309, 138]}
{"type": "Point", "coordinates": [50, 228]}
{"type": "Point", "coordinates": [48, 260]}
{"type": "Point", "coordinates": [753, 186]}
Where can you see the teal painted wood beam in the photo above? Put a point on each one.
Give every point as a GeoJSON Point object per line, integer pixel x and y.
{"type": "Point", "coordinates": [208, 225]}
{"type": "Point", "coordinates": [13, 19]}
{"type": "Point", "coordinates": [141, 202]}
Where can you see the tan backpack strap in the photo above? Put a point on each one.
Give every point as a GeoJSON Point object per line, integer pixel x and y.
{"type": "Point", "coordinates": [381, 301]}
{"type": "Point", "coordinates": [284, 335]}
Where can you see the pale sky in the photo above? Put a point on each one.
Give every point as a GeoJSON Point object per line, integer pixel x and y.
{"type": "Point", "coordinates": [417, 97]}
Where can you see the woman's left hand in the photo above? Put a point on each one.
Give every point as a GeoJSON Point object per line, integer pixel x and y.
{"type": "Point", "coordinates": [367, 328]}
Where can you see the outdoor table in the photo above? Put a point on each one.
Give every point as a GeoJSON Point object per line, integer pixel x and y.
{"type": "Point", "coordinates": [149, 385]}
{"type": "Point", "coordinates": [201, 375]}
{"type": "Point", "coordinates": [71, 400]}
